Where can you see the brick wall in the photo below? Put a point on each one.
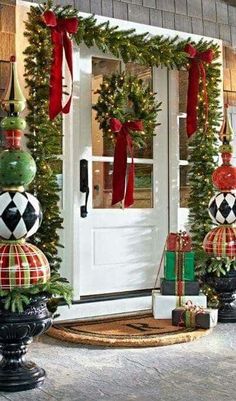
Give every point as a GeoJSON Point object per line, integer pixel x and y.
{"type": "Point", "coordinates": [204, 17]}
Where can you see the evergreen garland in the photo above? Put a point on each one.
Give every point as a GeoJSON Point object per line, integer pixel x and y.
{"type": "Point", "coordinates": [45, 136]}
{"type": "Point", "coordinates": [203, 155]}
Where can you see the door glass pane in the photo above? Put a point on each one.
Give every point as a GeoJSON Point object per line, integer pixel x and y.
{"type": "Point", "coordinates": [144, 73]}
{"type": "Point", "coordinates": [101, 67]}
{"type": "Point", "coordinates": [184, 186]}
{"type": "Point", "coordinates": [141, 71]}
{"type": "Point", "coordinates": [102, 185]}
{"type": "Point", "coordinates": [183, 88]}
{"type": "Point", "coordinates": [183, 140]}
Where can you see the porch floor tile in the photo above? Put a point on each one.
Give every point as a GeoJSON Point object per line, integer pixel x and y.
{"type": "Point", "coordinates": [203, 370]}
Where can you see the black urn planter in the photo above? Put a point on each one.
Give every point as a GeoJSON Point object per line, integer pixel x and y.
{"type": "Point", "coordinates": [225, 287]}
{"type": "Point", "coordinates": [16, 333]}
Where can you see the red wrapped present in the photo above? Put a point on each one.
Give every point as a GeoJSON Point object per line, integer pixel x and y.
{"type": "Point", "coordinates": [179, 242]}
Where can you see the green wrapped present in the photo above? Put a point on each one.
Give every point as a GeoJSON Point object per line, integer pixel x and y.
{"type": "Point", "coordinates": [179, 266]}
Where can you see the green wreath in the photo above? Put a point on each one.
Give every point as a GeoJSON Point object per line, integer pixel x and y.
{"type": "Point", "coordinates": [125, 97]}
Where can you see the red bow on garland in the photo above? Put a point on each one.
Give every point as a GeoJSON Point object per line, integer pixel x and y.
{"type": "Point", "coordinates": [196, 71]}
{"type": "Point", "coordinates": [62, 43]}
{"type": "Point", "coordinates": [124, 142]}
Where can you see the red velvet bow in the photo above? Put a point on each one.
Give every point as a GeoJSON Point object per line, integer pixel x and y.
{"type": "Point", "coordinates": [60, 28]}
{"type": "Point", "coordinates": [196, 71]}
{"type": "Point", "coordinates": [124, 142]}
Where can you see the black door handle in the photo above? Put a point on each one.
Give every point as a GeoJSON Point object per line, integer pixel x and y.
{"type": "Point", "coordinates": [84, 187]}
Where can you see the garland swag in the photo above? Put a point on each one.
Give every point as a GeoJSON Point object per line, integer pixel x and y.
{"type": "Point", "coordinates": [46, 135]}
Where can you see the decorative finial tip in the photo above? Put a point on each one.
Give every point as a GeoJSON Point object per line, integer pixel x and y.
{"type": "Point", "coordinates": [13, 59]}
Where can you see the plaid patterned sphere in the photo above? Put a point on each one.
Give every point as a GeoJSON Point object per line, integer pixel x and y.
{"type": "Point", "coordinates": [221, 241]}
{"type": "Point", "coordinates": [222, 208]}
{"type": "Point", "coordinates": [22, 265]}
{"type": "Point", "coordinates": [20, 215]}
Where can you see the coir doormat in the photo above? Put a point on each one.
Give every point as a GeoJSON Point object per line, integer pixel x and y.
{"type": "Point", "coordinates": [138, 331]}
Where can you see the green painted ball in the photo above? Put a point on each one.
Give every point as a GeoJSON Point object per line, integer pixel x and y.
{"type": "Point", "coordinates": [17, 167]}
{"type": "Point", "coordinates": [13, 122]}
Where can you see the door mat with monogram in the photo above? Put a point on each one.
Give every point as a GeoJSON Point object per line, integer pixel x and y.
{"type": "Point", "coordinates": [132, 331]}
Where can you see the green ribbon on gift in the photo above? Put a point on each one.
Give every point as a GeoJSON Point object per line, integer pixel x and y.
{"type": "Point", "coordinates": [190, 318]}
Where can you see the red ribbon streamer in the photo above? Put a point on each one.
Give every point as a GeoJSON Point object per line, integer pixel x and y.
{"type": "Point", "coordinates": [60, 28]}
{"type": "Point", "coordinates": [124, 142]}
{"type": "Point", "coordinates": [196, 70]}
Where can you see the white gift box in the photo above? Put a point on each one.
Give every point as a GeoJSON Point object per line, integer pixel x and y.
{"type": "Point", "coordinates": [162, 305]}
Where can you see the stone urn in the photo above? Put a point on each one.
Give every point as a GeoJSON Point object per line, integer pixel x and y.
{"type": "Point", "coordinates": [225, 288]}
{"type": "Point", "coordinates": [16, 333]}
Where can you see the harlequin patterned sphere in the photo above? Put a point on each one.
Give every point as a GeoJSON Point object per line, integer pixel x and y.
{"type": "Point", "coordinates": [17, 167]}
{"type": "Point", "coordinates": [222, 208]}
{"type": "Point", "coordinates": [20, 215]}
{"type": "Point", "coordinates": [22, 265]}
{"type": "Point", "coordinates": [221, 241]}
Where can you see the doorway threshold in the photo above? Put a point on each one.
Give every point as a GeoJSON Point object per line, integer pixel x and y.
{"type": "Point", "coordinates": [107, 305]}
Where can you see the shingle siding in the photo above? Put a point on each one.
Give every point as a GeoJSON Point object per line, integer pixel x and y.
{"type": "Point", "coordinates": [203, 17]}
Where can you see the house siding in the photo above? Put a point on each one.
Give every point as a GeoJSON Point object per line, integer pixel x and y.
{"type": "Point", "coordinates": [7, 40]}
{"type": "Point", "coordinates": [204, 17]}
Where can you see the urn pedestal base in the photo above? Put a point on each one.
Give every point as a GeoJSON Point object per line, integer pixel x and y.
{"type": "Point", "coordinates": [227, 308]}
{"type": "Point", "coordinates": [225, 287]}
{"type": "Point", "coordinates": [16, 333]}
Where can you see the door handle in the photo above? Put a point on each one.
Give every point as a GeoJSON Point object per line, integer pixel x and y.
{"type": "Point", "coordinates": [84, 186]}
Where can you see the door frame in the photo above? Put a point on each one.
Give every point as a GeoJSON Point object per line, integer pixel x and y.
{"type": "Point", "coordinates": [71, 123]}
{"type": "Point", "coordinates": [71, 194]}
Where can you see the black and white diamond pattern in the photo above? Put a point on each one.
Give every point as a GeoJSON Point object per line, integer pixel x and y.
{"type": "Point", "coordinates": [222, 208]}
{"type": "Point", "coordinates": [20, 215]}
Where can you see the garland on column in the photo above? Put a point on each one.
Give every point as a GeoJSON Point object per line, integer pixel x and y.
{"type": "Point", "coordinates": [46, 135]}
{"type": "Point", "coordinates": [203, 155]}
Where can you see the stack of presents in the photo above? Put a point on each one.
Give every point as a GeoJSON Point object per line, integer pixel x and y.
{"type": "Point", "coordinates": [179, 297]}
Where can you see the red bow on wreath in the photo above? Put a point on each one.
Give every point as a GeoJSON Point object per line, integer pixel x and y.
{"type": "Point", "coordinates": [124, 142]}
{"type": "Point", "coordinates": [196, 70]}
{"type": "Point", "coordinates": [62, 43]}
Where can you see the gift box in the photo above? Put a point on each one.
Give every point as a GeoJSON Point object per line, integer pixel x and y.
{"type": "Point", "coordinates": [201, 318]}
{"type": "Point", "coordinates": [163, 305]}
{"type": "Point", "coordinates": [178, 242]}
{"type": "Point", "coordinates": [170, 287]}
{"type": "Point", "coordinates": [179, 266]}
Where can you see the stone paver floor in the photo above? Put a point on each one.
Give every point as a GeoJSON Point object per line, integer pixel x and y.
{"type": "Point", "coordinates": [204, 370]}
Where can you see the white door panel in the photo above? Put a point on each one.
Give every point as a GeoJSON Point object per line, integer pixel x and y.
{"type": "Point", "coordinates": [117, 250]}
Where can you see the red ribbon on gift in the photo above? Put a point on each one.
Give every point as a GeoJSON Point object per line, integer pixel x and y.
{"type": "Point", "coordinates": [60, 30]}
{"type": "Point", "coordinates": [196, 70]}
{"type": "Point", "coordinates": [180, 241]}
{"type": "Point", "coordinates": [124, 143]}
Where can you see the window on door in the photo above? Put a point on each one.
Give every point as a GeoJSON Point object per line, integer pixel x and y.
{"type": "Point", "coordinates": [184, 188]}
{"type": "Point", "coordinates": [103, 150]}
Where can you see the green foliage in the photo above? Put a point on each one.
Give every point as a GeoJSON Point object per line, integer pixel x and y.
{"type": "Point", "coordinates": [45, 137]}
{"type": "Point", "coordinates": [203, 153]}
{"type": "Point", "coordinates": [17, 299]}
{"type": "Point", "coordinates": [125, 97]}
{"type": "Point", "coordinates": [216, 266]}
{"type": "Point", "coordinates": [126, 44]}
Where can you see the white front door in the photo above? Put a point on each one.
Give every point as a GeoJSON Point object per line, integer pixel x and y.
{"type": "Point", "coordinates": [119, 250]}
